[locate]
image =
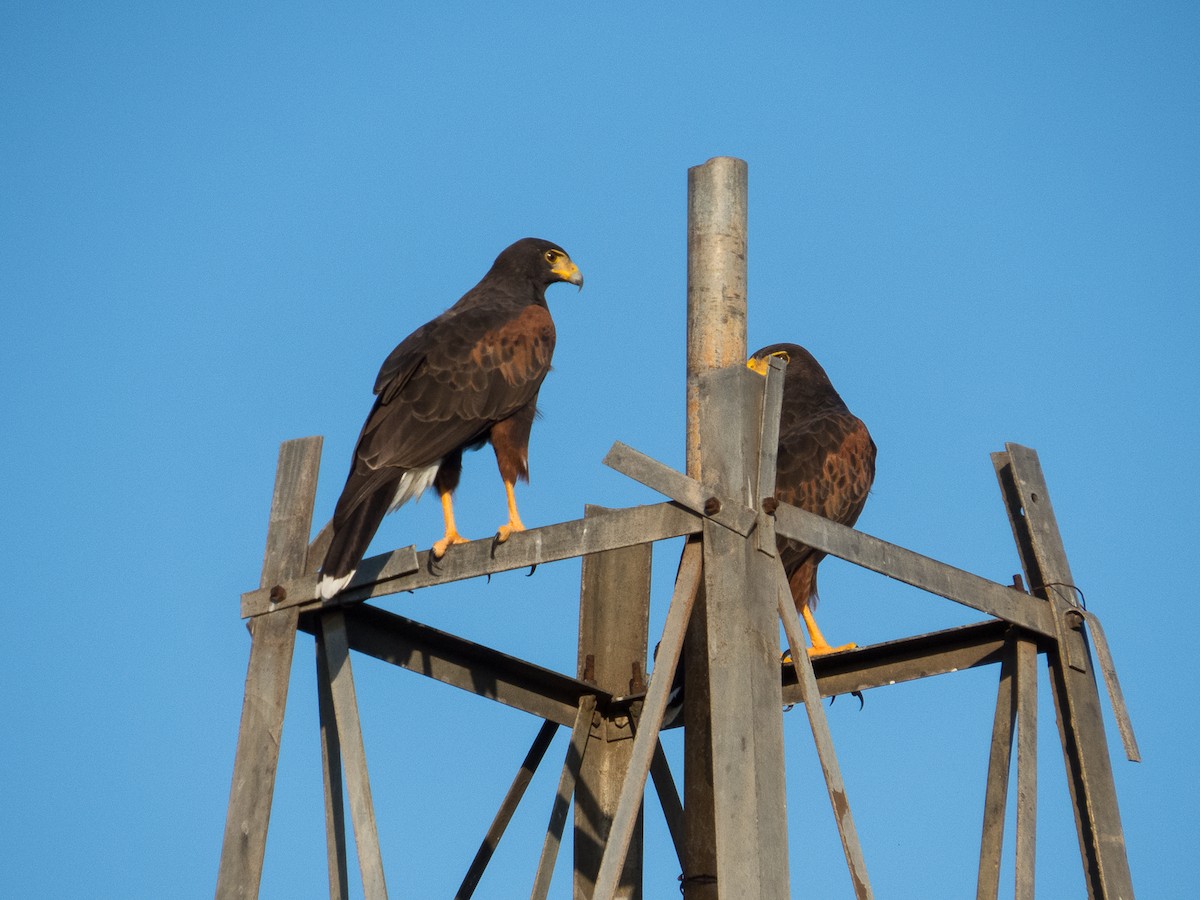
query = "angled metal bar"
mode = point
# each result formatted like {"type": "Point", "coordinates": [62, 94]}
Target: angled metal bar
{"type": "Point", "coordinates": [464, 664]}
{"type": "Point", "coordinates": [823, 739]}
{"type": "Point", "coordinates": [995, 801]}
{"type": "Point", "coordinates": [1115, 696]}
{"type": "Point", "coordinates": [668, 798]}
{"type": "Point", "coordinates": [504, 814]}
{"type": "Point", "coordinates": [345, 703]}
{"type": "Point", "coordinates": [912, 568]}
{"type": "Point", "coordinates": [700, 498]}
{"type": "Point", "coordinates": [273, 641]}
{"type": "Point", "coordinates": [1072, 680]}
{"type": "Point", "coordinates": [395, 572]}
{"type": "Point", "coordinates": [1026, 768]}
{"type": "Point", "coordinates": [331, 770]}
{"type": "Point", "coordinates": [645, 742]}
{"type": "Point", "coordinates": [562, 800]}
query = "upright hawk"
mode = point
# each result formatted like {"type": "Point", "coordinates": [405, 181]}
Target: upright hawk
{"type": "Point", "coordinates": [469, 377]}
{"type": "Point", "coordinates": [826, 465]}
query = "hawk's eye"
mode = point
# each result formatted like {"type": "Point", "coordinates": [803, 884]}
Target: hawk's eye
{"type": "Point", "coordinates": [551, 256]}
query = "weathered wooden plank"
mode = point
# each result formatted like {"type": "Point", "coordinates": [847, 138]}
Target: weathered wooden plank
{"type": "Point", "coordinates": [995, 801]}
{"type": "Point", "coordinates": [257, 757]}
{"type": "Point", "coordinates": [505, 813]}
{"type": "Point", "coordinates": [768, 427]}
{"type": "Point", "coordinates": [1026, 769]}
{"type": "Point", "coordinates": [700, 498]}
{"type": "Point", "coordinates": [456, 661]}
{"type": "Point", "coordinates": [331, 770]}
{"type": "Point", "coordinates": [362, 808]}
{"type": "Point", "coordinates": [272, 645]}
{"type": "Point", "coordinates": [576, 750]}
{"type": "Point", "coordinates": [768, 450]}
{"type": "Point", "coordinates": [823, 739]}
{"type": "Point", "coordinates": [645, 741]}
{"type": "Point", "coordinates": [394, 572]}
{"type": "Point", "coordinates": [743, 656]}
{"type": "Point", "coordinates": [912, 568]}
{"type": "Point", "coordinates": [906, 659]}
{"type": "Point", "coordinates": [614, 613]}
{"type": "Point", "coordinates": [1073, 684]}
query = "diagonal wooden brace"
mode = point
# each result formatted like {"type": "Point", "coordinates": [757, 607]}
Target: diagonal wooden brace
{"type": "Point", "coordinates": [699, 498]}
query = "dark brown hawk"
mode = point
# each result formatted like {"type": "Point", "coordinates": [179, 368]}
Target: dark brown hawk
{"type": "Point", "coordinates": [826, 465]}
{"type": "Point", "coordinates": [469, 377]}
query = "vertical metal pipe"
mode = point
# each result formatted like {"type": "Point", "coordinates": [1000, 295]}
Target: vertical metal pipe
{"type": "Point", "coordinates": [718, 224]}
{"type": "Point", "coordinates": [716, 279]}
{"type": "Point", "coordinates": [716, 337]}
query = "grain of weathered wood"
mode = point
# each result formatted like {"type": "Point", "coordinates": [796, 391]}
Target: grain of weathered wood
{"type": "Point", "coordinates": [272, 645]}
{"type": "Point", "coordinates": [358, 783]}
{"type": "Point", "coordinates": [614, 613]}
{"type": "Point", "coordinates": [396, 572]}
{"type": "Point", "coordinates": [823, 739]}
{"type": "Point", "coordinates": [576, 751]}
{"type": "Point", "coordinates": [1073, 684]}
{"type": "Point", "coordinates": [505, 813]}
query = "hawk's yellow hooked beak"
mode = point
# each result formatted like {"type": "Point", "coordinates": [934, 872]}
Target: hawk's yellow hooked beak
{"type": "Point", "coordinates": [760, 366]}
{"type": "Point", "coordinates": [568, 272]}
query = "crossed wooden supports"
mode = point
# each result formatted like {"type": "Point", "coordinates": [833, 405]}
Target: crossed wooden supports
{"type": "Point", "coordinates": [729, 561]}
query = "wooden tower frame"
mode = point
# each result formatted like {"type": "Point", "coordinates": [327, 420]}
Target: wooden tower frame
{"type": "Point", "coordinates": [730, 828]}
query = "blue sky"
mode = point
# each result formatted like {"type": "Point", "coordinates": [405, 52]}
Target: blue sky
{"type": "Point", "coordinates": [216, 221]}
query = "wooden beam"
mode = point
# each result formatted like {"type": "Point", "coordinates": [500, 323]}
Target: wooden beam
{"type": "Point", "coordinates": [645, 741]}
{"type": "Point", "coordinates": [702, 499]}
{"type": "Point", "coordinates": [903, 660]}
{"type": "Point", "coordinates": [362, 808]}
{"type": "Point", "coordinates": [1072, 677]}
{"type": "Point", "coordinates": [402, 570]}
{"type": "Point", "coordinates": [456, 661]}
{"type": "Point", "coordinates": [331, 770]}
{"type": "Point", "coordinates": [995, 801]}
{"type": "Point", "coordinates": [273, 641]}
{"type": "Point", "coordinates": [912, 568]}
{"type": "Point", "coordinates": [1026, 768]}
{"type": "Point", "coordinates": [614, 614]}
{"type": "Point", "coordinates": [743, 656]}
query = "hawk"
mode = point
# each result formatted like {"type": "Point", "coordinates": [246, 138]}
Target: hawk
{"type": "Point", "coordinates": [469, 377]}
{"type": "Point", "coordinates": [826, 465]}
